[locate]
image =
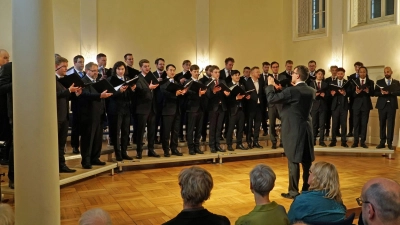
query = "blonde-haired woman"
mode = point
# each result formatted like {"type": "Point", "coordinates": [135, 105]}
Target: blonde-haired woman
{"type": "Point", "coordinates": [323, 200]}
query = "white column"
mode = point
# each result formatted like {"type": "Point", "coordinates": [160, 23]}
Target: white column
{"type": "Point", "coordinates": [337, 32]}
{"type": "Point", "coordinates": [89, 30]}
{"type": "Point", "coordinates": [202, 33]}
{"type": "Point", "coordinates": [37, 190]}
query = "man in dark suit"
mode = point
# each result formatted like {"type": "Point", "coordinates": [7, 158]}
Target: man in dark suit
{"type": "Point", "coordinates": [63, 97]}
{"type": "Point", "coordinates": [362, 92]}
{"type": "Point", "coordinates": [296, 107]}
{"type": "Point", "coordinates": [254, 107]}
{"type": "Point", "coordinates": [160, 74]}
{"type": "Point", "coordinates": [5, 128]}
{"type": "Point", "coordinates": [104, 72]}
{"type": "Point", "coordinates": [312, 65]}
{"type": "Point", "coordinates": [225, 74]}
{"type": "Point", "coordinates": [263, 81]}
{"type": "Point", "coordinates": [92, 111]}
{"type": "Point", "coordinates": [195, 110]}
{"type": "Point", "coordinates": [288, 69]}
{"type": "Point", "coordinates": [131, 73]}
{"type": "Point", "coordinates": [339, 107]}
{"type": "Point", "coordinates": [171, 113]}
{"type": "Point", "coordinates": [328, 100]}
{"type": "Point", "coordinates": [181, 76]}
{"type": "Point", "coordinates": [319, 107]}
{"type": "Point", "coordinates": [246, 75]}
{"type": "Point", "coordinates": [129, 61]}
{"type": "Point", "coordinates": [206, 79]}
{"type": "Point", "coordinates": [387, 106]}
{"type": "Point", "coordinates": [216, 109]}
{"type": "Point", "coordinates": [77, 69]}
{"type": "Point", "coordinates": [146, 109]}
{"type": "Point", "coordinates": [236, 106]}
{"type": "Point", "coordinates": [353, 76]}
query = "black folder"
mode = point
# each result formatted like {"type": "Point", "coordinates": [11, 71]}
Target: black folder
{"type": "Point", "coordinates": [390, 88]}
{"type": "Point", "coordinates": [187, 75]}
{"type": "Point", "coordinates": [223, 87]}
{"type": "Point", "coordinates": [196, 86]}
{"type": "Point", "coordinates": [235, 90]}
{"type": "Point", "coordinates": [115, 81]}
{"type": "Point", "coordinates": [75, 79]}
{"type": "Point", "coordinates": [173, 87]}
{"type": "Point", "coordinates": [151, 78]}
{"type": "Point", "coordinates": [337, 88]}
{"type": "Point", "coordinates": [362, 87]}
{"type": "Point", "coordinates": [103, 85]}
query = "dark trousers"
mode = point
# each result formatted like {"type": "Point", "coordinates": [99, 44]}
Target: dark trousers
{"type": "Point", "coordinates": [387, 118]}
{"type": "Point", "coordinates": [273, 114]}
{"type": "Point", "coordinates": [158, 124]}
{"type": "Point", "coordinates": [254, 124]}
{"type": "Point", "coordinates": [134, 125]}
{"type": "Point", "coordinates": [111, 128]}
{"type": "Point", "coordinates": [264, 118]}
{"type": "Point", "coordinates": [91, 143]}
{"type": "Point", "coordinates": [75, 131]}
{"type": "Point", "coordinates": [5, 135]}
{"type": "Point", "coordinates": [339, 116]}
{"type": "Point", "coordinates": [328, 116]}
{"type": "Point", "coordinates": [183, 120]}
{"type": "Point", "coordinates": [237, 121]}
{"type": "Point", "coordinates": [225, 125]}
{"type": "Point", "coordinates": [205, 123]}
{"type": "Point", "coordinates": [144, 119]}
{"type": "Point", "coordinates": [10, 147]}
{"type": "Point", "coordinates": [216, 120]}
{"type": "Point", "coordinates": [360, 120]}
{"type": "Point", "coordinates": [62, 140]}
{"type": "Point", "coordinates": [119, 124]}
{"type": "Point", "coordinates": [170, 131]}
{"type": "Point", "coordinates": [195, 126]}
{"type": "Point", "coordinates": [318, 121]}
{"type": "Point", "coordinates": [351, 115]}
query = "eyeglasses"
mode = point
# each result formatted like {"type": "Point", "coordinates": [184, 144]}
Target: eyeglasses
{"type": "Point", "coordinates": [94, 71]}
{"type": "Point", "coordinates": [360, 201]}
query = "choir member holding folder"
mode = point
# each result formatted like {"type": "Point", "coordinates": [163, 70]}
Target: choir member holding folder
{"type": "Point", "coordinates": [118, 111]}
{"type": "Point", "coordinates": [387, 90]}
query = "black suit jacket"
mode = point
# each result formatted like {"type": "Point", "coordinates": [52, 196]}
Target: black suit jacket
{"type": "Point", "coordinates": [6, 88]}
{"type": "Point", "coordinates": [195, 103]}
{"type": "Point", "coordinates": [132, 72]}
{"type": "Point", "coordinates": [146, 100]}
{"type": "Point", "coordinates": [92, 107]}
{"type": "Point", "coordinates": [63, 96]}
{"type": "Point", "coordinates": [107, 70]}
{"type": "Point", "coordinates": [74, 101]}
{"type": "Point", "coordinates": [243, 80]}
{"type": "Point", "coordinates": [252, 103]}
{"type": "Point", "coordinates": [215, 99]}
{"type": "Point", "coordinates": [119, 102]}
{"type": "Point", "coordinates": [338, 100]}
{"type": "Point", "coordinates": [234, 104]}
{"type": "Point", "coordinates": [319, 101]}
{"type": "Point", "coordinates": [390, 99]}
{"type": "Point", "coordinates": [223, 75]}
{"type": "Point", "coordinates": [363, 99]}
{"type": "Point", "coordinates": [288, 76]}
{"type": "Point", "coordinates": [170, 104]}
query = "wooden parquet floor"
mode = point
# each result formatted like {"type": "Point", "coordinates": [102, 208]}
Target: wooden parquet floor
{"type": "Point", "coordinates": [151, 195]}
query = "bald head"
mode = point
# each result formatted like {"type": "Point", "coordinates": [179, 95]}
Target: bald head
{"type": "Point", "coordinates": [388, 72]}
{"type": "Point", "coordinates": [381, 201]}
{"type": "Point", "coordinates": [4, 57]}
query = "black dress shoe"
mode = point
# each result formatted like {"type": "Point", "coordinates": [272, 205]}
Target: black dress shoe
{"type": "Point", "coordinates": [349, 135]}
{"type": "Point", "coordinates": [4, 162]}
{"type": "Point", "coordinates": [213, 150]}
{"type": "Point", "coordinates": [75, 150]}
{"type": "Point", "coordinates": [287, 195]}
{"type": "Point", "coordinates": [221, 138]}
{"type": "Point", "coordinates": [390, 147]}
{"type": "Point", "coordinates": [137, 157]}
{"type": "Point", "coordinates": [230, 148]}
{"type": "Point", "coordinates": [241, 147]}
{"type": "Point", "coordinates": [182, 139]}
{"type": "Point", "coordinates": [249, 146]}
{"type": "Point", "coordinates": [274, 146]}
{"type": "Point", "coordinates": [198, 151]}
{"type": "Point", "coordinates": [11, 184]}
{"type": "Point", "coordinates": [166, 154]}
{"type": "Point", "coordinates": [119, 159]}
{"type": "Point", "coordinates": [332, 144]}
{"type": "Point", "coordinates": [257, 145]}
{"type": "Point", "coordinates": [322, 144]}
{"type": "Point", "coordinates": [363, 145]}
{"type": "Point", "coordinates": [176, 152]}
{"type": "Point", "coordinates": [218, 148]}
{"type": "Point", "coordinates": [354, 145]}
{"type": "Point", "coordinates": [152, 153]}
{"type": "Point", "coordinates": [191, 152]}
{"type": "Point", "coordinates": [65, 169]}
{"type": "Point", "coordinates": [87, 166]}
{"type": "Point", "coordinates": [98, 162]}
{"type": "Point", "coordinates": [281, 145]}
{"type": "Point", "coordinates": [381, 146]}
{"type": "Point", "coordinates": [344, 145]}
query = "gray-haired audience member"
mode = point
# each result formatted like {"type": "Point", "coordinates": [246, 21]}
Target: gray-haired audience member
{"type": "Point", "coordinates": [380, 198]}
{"type": "Point", "coordinates": [95, 216]}
{"type": "Point", "coordinates": [196, 184]}
{"type": "Point", "coordinates": [262, 181]}
{"type": "Point", "coordinates": [6, 215]}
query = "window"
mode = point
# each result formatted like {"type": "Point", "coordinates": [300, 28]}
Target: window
{"type": "Point", "coordinates": [310, 19]}
{"type": "Point", "coordinates": [317, 14]}
{"type": "Point", "coordinates": [381, 8]}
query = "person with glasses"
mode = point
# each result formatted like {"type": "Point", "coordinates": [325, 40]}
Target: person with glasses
{"type": "Point", "coordinates": [322, 203]}
{"type": "Point", "coordinates": [380, 202]}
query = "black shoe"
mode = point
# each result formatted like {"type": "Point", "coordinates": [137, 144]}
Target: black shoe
{"type": "Point", "coordinates": [4, 162]}
{"type": "Point", "coordinates": [281, 145]}
{"type": "Point", "coordinates": [166, 154]}
{"type": "Point", "coordinates": [287, 195]}
{"type": "Point", "coordinates": [75, 150]}
{"type": "Point", "coordinates": [137, 156]}
{"type": "Point", "coordinates": [274, 146]}
{"type": "Point", "coordinates": [152, 153]}
{"type": "Point", "coordinates": [176, 152]}
{"type": "Point", "coordinates": [87, 166]}
{"type": "Point", "coordinates": [197, 150]}
{"type": "Point", "coordinates": [332, 144]}
{"type": "Point", "coordinates": [181, 139]}
{"type": "Point", "coordinates": [363, 145]}
{"type": "Point", "coordinates": [349, 135]}
{"type": "Point", "coordinates": [11, 184]}
{"type": "Point", "coordinates": [354, 145]}
{"type": "Point", "coordinates": [241, 147]}
{"type": "Point", "coordinates": [390, 147]}
{"type": "Point", "coordinates": [127, 157]}
{"type": "Point", "coordinates": [230, 148]}
{"type": "Point", "coordinates": [98, 162]}
{"type": "Point", "coordinates": [322, 144]}
{"type": "Point", "coordinates": [213, 150]}
{"type": "Point", "coordinates": [221, 138]}
{"type": "Point", "coordinates": [218, 148]}
{"type": "Point", "coordinates": [257, 145]}
{"type": "Point", "coordinates": [65, 169]}
{"type": "Point", "coordinates": [191, 152]}
{"type": "Point", "coordinates": [381, 146]}
{"type": "Point", "coordinates": [120, 159]}
{"type": "Point", "coordinates": [344, 145]}
{"type": "Point", "coordinates": [249, 146]}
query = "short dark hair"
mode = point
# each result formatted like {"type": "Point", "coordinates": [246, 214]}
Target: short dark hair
{"type": "Point", "coordinates": [89, 65]}
{"type": "Point", "coordinates": [334, 66]}
{"type": "Point", "coordinates": [143, 61]}
{"type": "Point", "coordinates": [363, 67]}
{"type": "Point", "coordinates": [214, 67]}
{"type": "Point", "coordinates": [341, 69]}
{"type": "Point", "coordinates": [100, 55]}
{"type": "Point", "coordinates": [60, 60]}
{"type": "Point", "coordinates": [158, 60]}
{"type": "Point", "coordinates": [208, 67]}
{"type": "Point", "coordinates": [265, 64]}
{"type": "Point", "coordinates": [254, 68]}
{"type": "Point", "coordinates": [233, 72]}
{"type": "Point", "coordinates": [194, 67]}
{"type": "Point", "coordinates": [274, 62]}
{"type": "Point", "coordinates": [229, 59]}
{"type": "Point", "coordinates": [246, 68]}
{"type": "Point", "coordinates": [186, 61]}
{"type": "Point", "coordinates": [78, 57]}
{"type": "Point", "coordinates": [320, 70]}
{"type": "Point", "coordinates": [116, 66]}
{"type": "Point", "coordinates": [288, 62]}
{"type": "Point", "coordinates": [358, 63]}
{"type": "Point", "coordinates": [169, 65]}
{"type": "Point", "coordinates": [127, 54]}
{"type": "Point", "coordinates": [312, 61]}
{"type": "Point", "coordinates": [302, 71]}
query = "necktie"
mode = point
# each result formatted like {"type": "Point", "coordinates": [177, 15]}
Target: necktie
{"type": "Point", "coordinates": [275, 77]}
{"type": "Point", "coordinates": [160, 74]}
{"type": "Point", "coordinates": [388, 83]}
{"type": "Point", "coordinates": [340, 83]}
{"type": "Point", "coordinates": [362, 82]}
{"type": "Point", "coordinates": [216, 82]}
{"type": "Point", "coordinates": [104, 71]}
{"type": "Point", "coordinates": [229, 72]}
{"type": "Point", "coordinates": [319, 85]}
{"type": "Point", "coordinates": [80, 74]}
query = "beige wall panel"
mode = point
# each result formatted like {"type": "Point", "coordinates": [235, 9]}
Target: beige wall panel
{"type": "Point", "coordinates": [5, 26]}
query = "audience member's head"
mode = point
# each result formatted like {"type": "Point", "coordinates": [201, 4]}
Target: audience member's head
{"type": "Point", "coordinates": [380, 199]}
{"type": "Point", "coordinates": [6, 215]}
{"type": "Point", "coordinates": [262, 180]}
{"type": "Point", "coordinates": [95, 216]}
{"type": "Point", "coordinates": [196, 184]}
{"type": "Point", "coordinates": [4, 57]}
{"type": "Point", "coordinates": [324, 177]}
